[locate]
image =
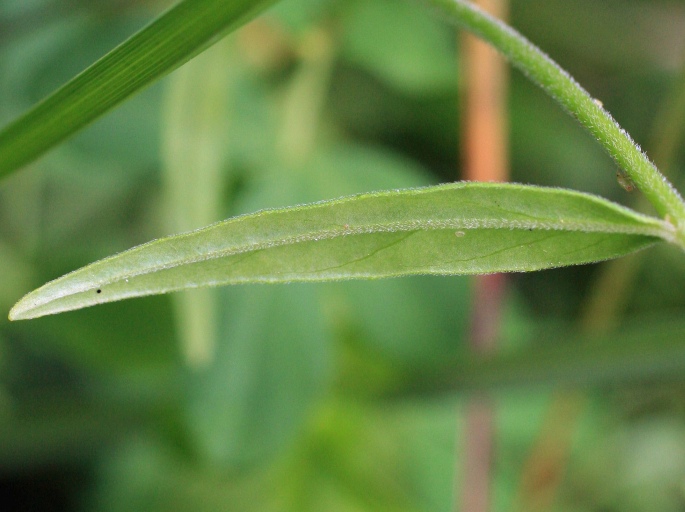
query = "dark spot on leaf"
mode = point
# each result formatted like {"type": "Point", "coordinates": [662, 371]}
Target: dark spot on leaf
{"type": "Point", "coordinates": [99, 290]}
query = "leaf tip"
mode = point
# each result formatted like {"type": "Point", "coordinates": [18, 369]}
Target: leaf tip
{"type": "Point", "coordinates": [14, 315]}
{"type": "Point", "coordinates": [26, 308]}
{"type": "Point", "coordinates": [20, 311]}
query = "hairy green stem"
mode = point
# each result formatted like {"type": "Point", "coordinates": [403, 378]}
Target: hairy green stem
{"type": "Point", "coordinates": [542, 70]}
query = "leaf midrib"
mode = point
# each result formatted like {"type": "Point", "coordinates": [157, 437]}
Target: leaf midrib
{"type": "Point", "coordinates": [466, 224]}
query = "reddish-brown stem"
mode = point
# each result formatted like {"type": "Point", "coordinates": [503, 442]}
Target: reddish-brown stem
{"type": "Point", "coordinates": [485, 158]}
{"type": "Point", "coordinates": [478, 454]}
{"type": "Point", "coordinates": [485, 126]}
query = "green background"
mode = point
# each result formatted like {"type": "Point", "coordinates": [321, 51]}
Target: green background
{"type": "Point", "coordinates": [323, 396]}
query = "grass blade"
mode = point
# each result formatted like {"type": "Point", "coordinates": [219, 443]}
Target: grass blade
{"type": "Point", "coordinates": [167, 43]}
{"type": "Point", "coordinates": [460, 228]}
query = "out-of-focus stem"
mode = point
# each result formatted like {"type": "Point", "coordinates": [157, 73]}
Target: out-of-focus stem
{"type": "Point", "coordinates": [193, 152]}
{"type": "Point", "coordinates": [485, 158]}
{"type": "Point", "coordinates": [485, 125]}
{"type": "Point", "coordinates": [306, 96]}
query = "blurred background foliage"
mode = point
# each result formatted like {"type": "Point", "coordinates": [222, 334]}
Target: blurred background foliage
{"type": "Point", "coordinates": [303, 397]}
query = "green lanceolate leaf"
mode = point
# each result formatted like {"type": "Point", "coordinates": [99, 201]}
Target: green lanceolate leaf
{"type": "Point", "coordinates": [167, 43]}
{"type": "Point", "coordinates": [460, 228]}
